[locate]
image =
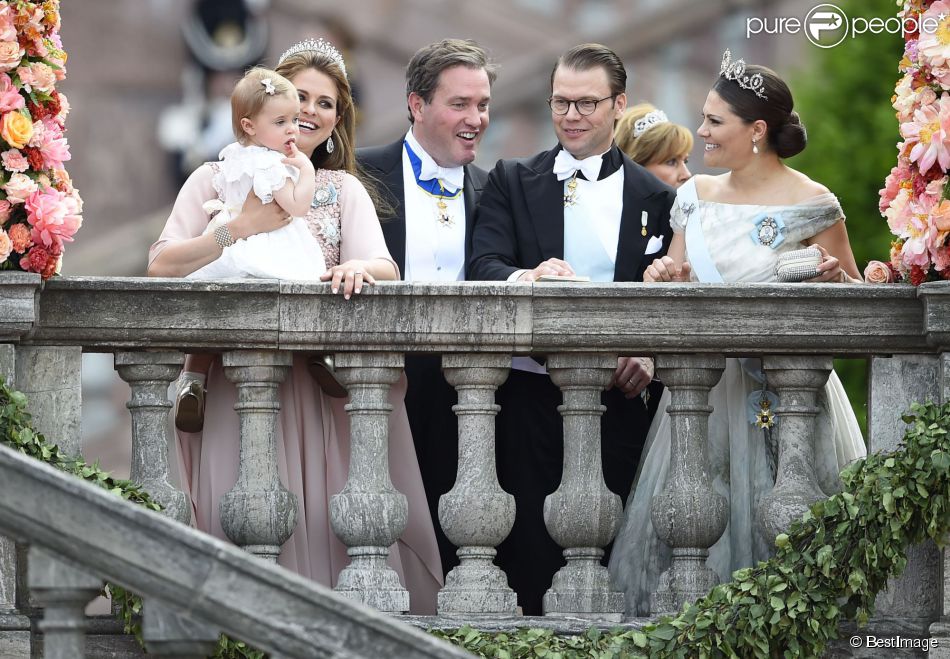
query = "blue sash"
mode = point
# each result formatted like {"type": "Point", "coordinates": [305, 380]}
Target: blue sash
{"type": "Point", "coordinates": [696, 250]}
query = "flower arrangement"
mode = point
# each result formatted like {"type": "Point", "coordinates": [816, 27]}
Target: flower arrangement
{"type": "Point", "coordinates": [39, 208]}
{"type": "Point", "coordinates": [915, 199]}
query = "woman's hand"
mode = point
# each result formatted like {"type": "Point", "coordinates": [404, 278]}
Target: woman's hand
{"type": "Point", "coordinates": [665, 269]}
{"type": "Point", "coordinates": [829, 270]}
{"type": "Point", "coordinates": [256, 217]}
{"type": "Point", "coordinates": [352, 274]}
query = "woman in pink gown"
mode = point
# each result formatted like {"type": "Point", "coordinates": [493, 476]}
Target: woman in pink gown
{"type": "Point", "coordinates": [313, 431]}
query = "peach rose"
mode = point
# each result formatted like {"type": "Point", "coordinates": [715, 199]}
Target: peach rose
{"type": "Point", "coordinates": [878, 273]}
{"type": "Point", "coordinates": [941, 215]}
{"type": "Point", "coordinates": [18, 188]}
{"type": "Point", "coordinates": [10, 55]}
{"type": "Point", "coordinates": [16, 129]}
{"type": "Point", "coordinates": [43, 78]}
{"type": "Point", "coordinates": [6, 246]}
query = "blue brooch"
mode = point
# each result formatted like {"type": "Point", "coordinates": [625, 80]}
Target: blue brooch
{"type": "Point", "coordinates": [324, 196]}
{"type": "Point", "coordinates": [769, 230]}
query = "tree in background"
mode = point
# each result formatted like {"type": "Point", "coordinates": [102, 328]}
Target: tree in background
{"type": "Point", "coordinates": [844, 98]}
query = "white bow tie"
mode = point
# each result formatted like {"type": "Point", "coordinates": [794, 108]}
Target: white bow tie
{"type": "Point", "coordinates": [451, 177]}
{"type": "Point", "coordinates": [565, 165]}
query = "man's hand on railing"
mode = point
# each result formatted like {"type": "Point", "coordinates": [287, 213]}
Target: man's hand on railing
{"type": "Point", "coordinates": [665, 269]}
{"type": "Point", "coordinates": [552, 266]}
{"type": "Point", "coordinates": [633, 375]}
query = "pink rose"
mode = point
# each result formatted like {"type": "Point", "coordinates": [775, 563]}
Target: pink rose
{"type": "Point", "coordinates": [6, 209]}
{"type": "Point", "coordinates": [7, 28]}
{"type": "Point", "coordinates": [878, 273]}
{"type": "Point", "coordinates": [18, 188]}
{"type": "Point", "coordinates": [10, 55]}
{"type": "Point", "coordinates": [10, 98]}
{"type": "Point", "coordinates": [14, 161]}
{"type": "Point", "coordinates": [6, 246]}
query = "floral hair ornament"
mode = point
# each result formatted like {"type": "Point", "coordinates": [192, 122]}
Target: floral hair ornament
{"type": "Point", "coordinates": [269, 88]}
{"type": "Point", "coordinates": [654, 118]}
{"type": "Point", "coordinates": [315, 46]}
{"type": "Point", "coordinates": [736, 71]}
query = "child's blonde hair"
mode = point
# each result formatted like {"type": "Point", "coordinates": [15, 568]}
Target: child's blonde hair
{"type": "Point", "coordinates": [251, 93]}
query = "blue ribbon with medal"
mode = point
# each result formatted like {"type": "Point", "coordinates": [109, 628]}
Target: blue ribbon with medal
{"type": "Point", "coordinates": [432, 187]}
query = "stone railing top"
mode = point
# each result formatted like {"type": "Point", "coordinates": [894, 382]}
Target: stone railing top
{"type": "Point", "coordinates": [109, 313]}
{"type": "Point", "coordinates": [18, 292]}
{"type": "Point", "coordinates": [194, 573]}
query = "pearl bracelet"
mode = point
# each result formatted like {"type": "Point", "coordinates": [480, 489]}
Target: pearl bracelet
{"type": "Point", "coordinates": [223, 237]}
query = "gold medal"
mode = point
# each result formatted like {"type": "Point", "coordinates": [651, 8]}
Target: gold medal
{"type": "Point", "coordinates": [571, 197]}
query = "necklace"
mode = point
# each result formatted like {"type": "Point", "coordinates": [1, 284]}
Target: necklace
{"type": "Point", "coordinates": [570, 197]}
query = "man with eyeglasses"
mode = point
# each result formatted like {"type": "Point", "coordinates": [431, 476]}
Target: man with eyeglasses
{"type": "Point", "coordinates": [582, 209]}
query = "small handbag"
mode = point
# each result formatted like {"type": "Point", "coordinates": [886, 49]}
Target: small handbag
{"type": "Point", "coordinates": [798, 265]}
{"type": "Point", "coordinates": [322, 370]}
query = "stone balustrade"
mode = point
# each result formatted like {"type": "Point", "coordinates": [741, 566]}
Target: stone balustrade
{"type": "Point", "coordinates": [477, 327]}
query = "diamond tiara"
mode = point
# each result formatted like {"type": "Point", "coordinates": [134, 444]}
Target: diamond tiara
{"type": "Point", "coordinates": [651, 119]}
{"type": "Point", "coordinates": [736, 71]}
{"type": "Point", "coordinates": [315, 45]}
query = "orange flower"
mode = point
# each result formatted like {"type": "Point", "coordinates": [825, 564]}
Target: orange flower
{"type": "Point", "coordinates": [20, 237]}
{"type": "Point", "coordinates": [16, 129]}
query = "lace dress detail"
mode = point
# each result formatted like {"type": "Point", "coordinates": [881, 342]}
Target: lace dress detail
{"type": "Point", "coordinates": [325, 213]}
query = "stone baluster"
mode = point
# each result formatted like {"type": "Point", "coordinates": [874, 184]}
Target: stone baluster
{"type": "Point", "coordinates": [582, 516]}
{"type": "Point", "coordinates": [939, 631]}
{"type": "Point", "coordinates": [369, 514]}
{"type": "Point", "coordinates": [911, 602]}
{"type": "Point", "coordinates": [149, 375]}
{"type": "Point", "coordinates": [258, 513]}
{"type": "Point", "coordinates": [476, 514]}
{"type": "Point", "coordinates": [51, 379]}
{"type": "Point", "coordinates": [63, 591]}
{"type": "Point", "coordinates": [797, 381]}
{"type": "Point", "coordinates": [170, 634]}
{"type": "Point", "coordinates": [688, 515]}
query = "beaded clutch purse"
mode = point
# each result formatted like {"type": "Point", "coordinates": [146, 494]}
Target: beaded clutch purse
{"type": "Point", "coordinates": [798, 265]}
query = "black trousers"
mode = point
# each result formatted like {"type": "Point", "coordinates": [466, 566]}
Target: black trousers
{"type": "Point", "coordinates": [530, 453]}
{"type": "Point", "coordinates": [429, 401]}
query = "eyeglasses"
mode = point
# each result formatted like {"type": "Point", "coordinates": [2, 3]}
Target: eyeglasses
{"type": "Point", "coordinates": [585, 106]}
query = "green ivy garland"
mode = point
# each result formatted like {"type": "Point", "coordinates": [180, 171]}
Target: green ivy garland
{"type": "Point", "coordinates": [829, 566]}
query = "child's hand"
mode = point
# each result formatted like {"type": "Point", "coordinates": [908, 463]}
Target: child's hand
{"type": "Point", "coordinates": [297, 159]}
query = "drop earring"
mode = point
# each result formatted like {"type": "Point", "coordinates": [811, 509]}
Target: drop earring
{"type": "Point", "coordinates": [330, 145]}
{"type": "Point", "coordinates": [755, 146]}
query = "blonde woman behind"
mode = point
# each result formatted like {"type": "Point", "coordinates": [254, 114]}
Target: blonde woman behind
{"type": "Point", "coordinates": [650, 139]}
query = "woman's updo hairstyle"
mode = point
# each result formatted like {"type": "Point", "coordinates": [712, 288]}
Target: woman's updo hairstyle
{"type": "Point", "coordinates": [786, 133]}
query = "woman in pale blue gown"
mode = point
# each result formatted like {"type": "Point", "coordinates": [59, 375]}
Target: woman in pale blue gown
{"type": "Point", "coordinates": [744, 220]}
